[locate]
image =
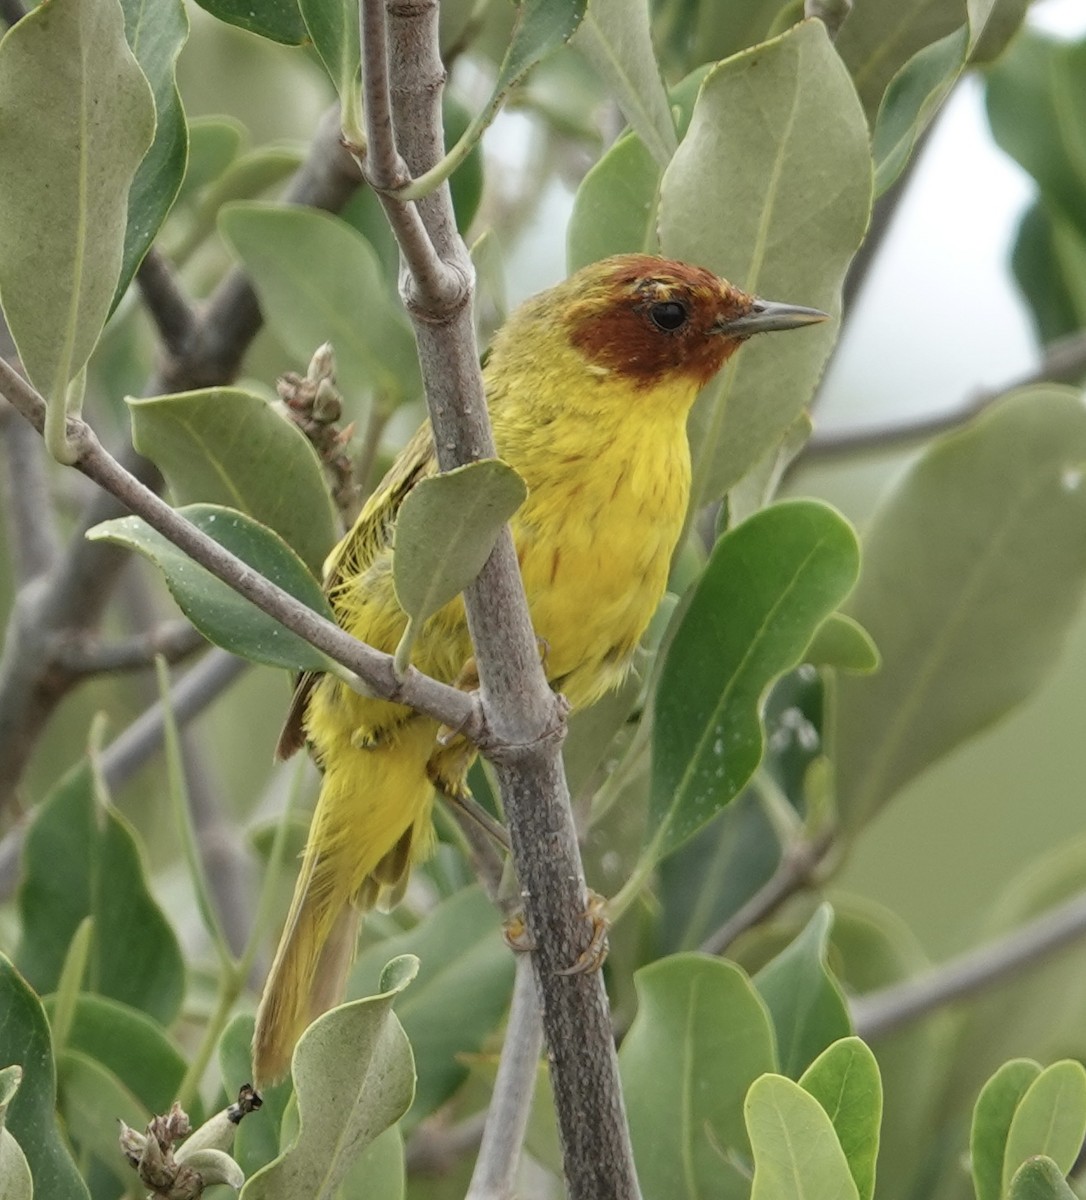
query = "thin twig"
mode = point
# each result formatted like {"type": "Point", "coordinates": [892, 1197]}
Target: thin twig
{"type": "Point", "coordinates": [494, 1177]}
{"type": "Point", "coordinates": [165, 299]}
{"type": "Point", "coordinates": [174, 641]}
{"type": "Point", "coordinates": [451, 706]}
{"type": "Point", "coordinates": [793, 872]}
{"type": "Point", "coordinates": [526, 716]}
{"type": "Point", "coordinates": [1064, 362]}
{"type": "Point", "coordinates": [890, 1008]}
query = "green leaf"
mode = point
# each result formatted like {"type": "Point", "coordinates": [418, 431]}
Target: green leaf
{"type": "Point", "coordinates": [985, 527]}
{"type": "Point", "coordinates": [277, 20]}
{"type": "Point", "coordinates": [1049, 263]}
{"type": "Point", "coordinates": [458, 999]}
{"type": "Point", "coordinates": [1050, 1119]}
{"type": "Point", "coordinates": [214, 143]}
{"type": "Point", "coordinates": [805, 1001]}
{"type": "Point", "coordinates": [995, 1108]}
{"type": "Point", "coordinates": [333, 26]}
{"type": "Point", "coordinates": [252, 175]}
{"type": "Point", "coordinates": [15, 1180]}
{"type": "Point", "coordinates": [709, 878]}
{"type": "Point", "coordinates": [1040, 1179]}
{"type": "Point", "coordinates": [700, 1038]}
{"type": "Point", "coordinates": [796, 1152]}
{"type": "Point", "coordinates": [879, 37]}
{"type": "Point", "coordinates": [914, 96]}
{"type": "Point", "coordinates": [353, 1078]}
{"type": "Point", "coordinates": [542, 27]}
{"type": "Point", "coordinates": [844, 1079]}
{"type": "Point", "coordinates": [1004, 21]}
{"type": "Point", "coordinates": [316, 277]}
{"type": "Point", "coordinates": [379, 1172]}
{"type": "Point", "coordinates": [769, 584]}
{"type": "Point", "coordinates": [1038, 117]}
{"type": "Point", "coordinates": [82, 859]}
{"type": "Point", "coordinates": [90, 1101]}
{"type": "Point", "coordinates": [31, 1117]}
{"type": "Point", "coordinates": [843, 644]}
{"type": "Point", "coordinates": [65, 67]}
{"type": "Point", "coordinates": [218, 612]}
{"type": "Point", "coordinates": [156, 33]}
{"type": "Point", "coordinates": [228, 446]}
{"type": "Point", "coordinates": [132, 1046]}
{"type": "Point", "coordinates": [614, 211]}
{"type": "Point", "coordinates": [446, 528]}
{"type": "Point", "coordinates": [615, 38]}
{"type": "Point", "coordinates": [777, 143]}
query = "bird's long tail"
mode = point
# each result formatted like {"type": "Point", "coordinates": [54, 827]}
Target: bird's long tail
{"type": "Point", "coordinates": [371, 823]}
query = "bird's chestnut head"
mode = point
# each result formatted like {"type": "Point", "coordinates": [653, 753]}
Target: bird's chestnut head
{"type": "Point", "coordinates": [650, 319]}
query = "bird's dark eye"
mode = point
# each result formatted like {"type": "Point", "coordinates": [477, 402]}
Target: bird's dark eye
{"type": "Point", "coordinates": [669, 315]}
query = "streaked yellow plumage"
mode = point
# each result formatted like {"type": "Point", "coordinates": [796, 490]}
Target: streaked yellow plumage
{"type": "Point", "coordinates": [588, 387]}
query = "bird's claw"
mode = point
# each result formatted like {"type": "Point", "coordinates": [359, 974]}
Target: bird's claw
{"type": "Point", "coordinates": [516, 934]}
{"type": "Point", "coordinates": [592, 957]}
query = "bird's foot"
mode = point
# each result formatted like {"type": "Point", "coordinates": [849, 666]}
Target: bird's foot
{"type": "Point", "coordinates": [593, 955]}
{"type": "Point", "coordinates": [516, 934]}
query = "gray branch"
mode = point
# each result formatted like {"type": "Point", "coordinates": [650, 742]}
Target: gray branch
{"type": "Point", "coordinates": [1064, 362]}
{"type": "Point", "coordinates": [81, 655]}
{"type": "Point", "coordinates": [882, 1012]}
{"type": "Point", "coordinates": [526, 718]}
{"type": "Point", "coordinates": [494, 1177]}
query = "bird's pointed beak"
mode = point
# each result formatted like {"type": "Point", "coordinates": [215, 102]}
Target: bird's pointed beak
{"type": "Point", "coordinates": [766, 316]}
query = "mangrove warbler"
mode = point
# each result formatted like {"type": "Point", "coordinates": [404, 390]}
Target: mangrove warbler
{"type": "Point", "coordinates": [588, 385]}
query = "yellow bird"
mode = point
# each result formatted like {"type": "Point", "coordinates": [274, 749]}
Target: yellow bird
{"type": "Point", "coordinates": [588, 385]}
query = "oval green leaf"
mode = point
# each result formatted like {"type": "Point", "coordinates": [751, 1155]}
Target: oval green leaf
{"type": "Point", "coordinates": [844, 1079]}
{"type": "Point", "coordinates": [354, 1078]}
{"type": "Point", "coordinates": [156, 33]}
{"type": "Point", "coordinates": [913, 98]}
{"type": "Point", "coordinates": [879, 37]}
{"type": "Point", "coordinates": [15, 1179]}
{"type": "Point", "coordinates": [218, 612]}
{"type": "Point", "coordinates": [843, 644]}
{"type": "Point", "coordinates": [66, 66]}
{"type": "Point", "coordinates": [992, 1116]}
{"type": "Point", "coordinates": [230, 447]}
{"type": "Point", "coordinates": [1040, 1179]}
{"type": "Point", "coordinates": [445, 530]}
{"type": "Point", "coordinates": [796, 1152]}
{"type": "Point", "coordinates": [985, 527]}
{"type": "Point", "coordinates": [771, 188]}
{"type": "Point", "coordinates": [805, 1001]}
{"type": "Point", "coordinates": [277, 20]}
{"type": "Point", "coordinates": [1050, 1119]}
{"type": "Point", "coordinates": [318, 281]}
{"type": "Point", "coordinates": [82, 859]}
{"type": "Point", "coordinates": [700, 1038]}
{"type": "Point", "coordinates": [458, 999]}
{"type": "Point", "coordinates": [31, 1115]}
{"type": "Point", "coordinates": [616, 39]}
{"type": "Point", "coordinates": [769, 585]}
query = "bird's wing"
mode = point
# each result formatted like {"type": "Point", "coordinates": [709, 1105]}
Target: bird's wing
{"type": "Point", "coordinates": [370, 534]}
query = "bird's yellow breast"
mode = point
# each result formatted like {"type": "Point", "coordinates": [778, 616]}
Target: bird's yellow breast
{"type": "Point", "coordinates": [594, 538]}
